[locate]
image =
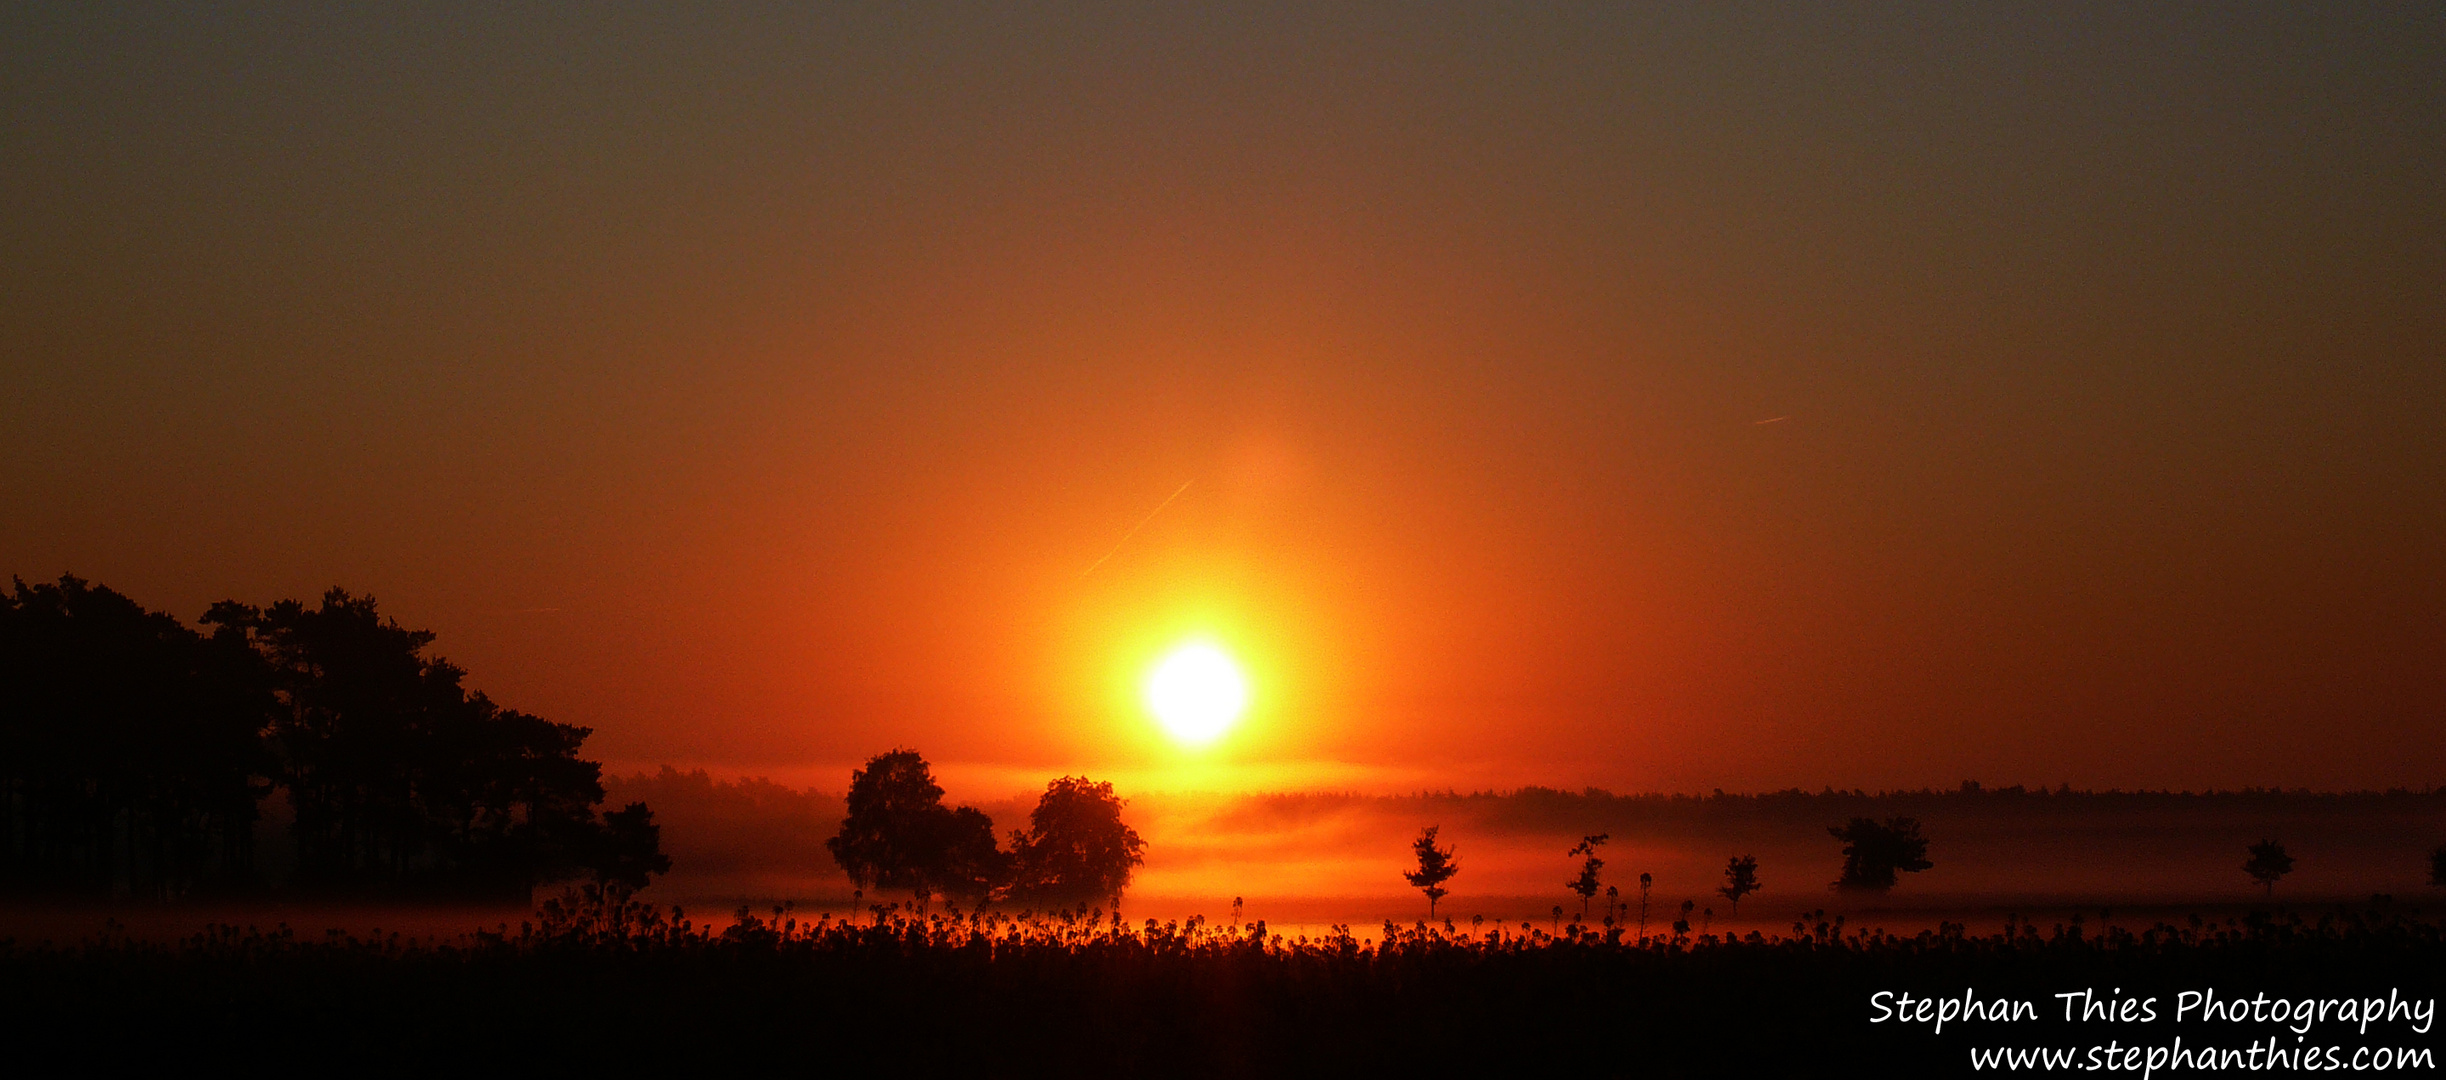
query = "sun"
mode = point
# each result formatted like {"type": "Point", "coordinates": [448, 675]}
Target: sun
{"type": "Point", "coordinates": [1196, 693]}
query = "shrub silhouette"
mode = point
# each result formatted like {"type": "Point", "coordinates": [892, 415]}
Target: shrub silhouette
{"type": "Point", "coordinates": [1435, 867]}
{"type": "Point", "coordinates": [1873, 852]}
{"type": "Point", "coordinates": [1077, 849]}
{"type": "Point", "coordinates": [1740, 879]}
{"type": "Point", "coordinates": [2268, 862]}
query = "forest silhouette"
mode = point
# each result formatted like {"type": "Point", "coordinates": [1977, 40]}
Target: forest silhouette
{"type": "Point", "coordinates": [136, 753]}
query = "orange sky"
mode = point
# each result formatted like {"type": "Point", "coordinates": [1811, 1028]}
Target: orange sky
{"type": "Point", "coordinates": [760, 390]}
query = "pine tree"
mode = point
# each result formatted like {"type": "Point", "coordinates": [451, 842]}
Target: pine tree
{"type": "Point", "coordinates": [1435, 867]}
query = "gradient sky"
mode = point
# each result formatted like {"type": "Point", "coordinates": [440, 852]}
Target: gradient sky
{"type": "Point", "coordinates": [763, 388]}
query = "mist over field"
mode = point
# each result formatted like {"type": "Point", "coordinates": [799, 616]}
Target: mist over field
{"type": "Point", "coordinates": [1320, 857]}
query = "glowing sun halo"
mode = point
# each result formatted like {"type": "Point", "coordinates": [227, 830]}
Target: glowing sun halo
{"type": "Point", "coordinates": [1196, 693]}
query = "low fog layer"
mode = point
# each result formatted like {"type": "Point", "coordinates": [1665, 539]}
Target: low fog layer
{"type": "Point", "coordinates": [1306, 856]}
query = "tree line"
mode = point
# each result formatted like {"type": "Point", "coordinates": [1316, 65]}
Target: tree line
{"type": "Point", "coordinates": [136, 753]}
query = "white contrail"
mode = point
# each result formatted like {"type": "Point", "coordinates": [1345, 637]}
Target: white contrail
{"type": "Point", "coordinates": [1770, 420]}
{"type": "Point", "coordinates": [1142, 523]}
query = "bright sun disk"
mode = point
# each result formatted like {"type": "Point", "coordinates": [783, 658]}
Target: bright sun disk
{"type": "Point", "coordinates": [1196, 693]}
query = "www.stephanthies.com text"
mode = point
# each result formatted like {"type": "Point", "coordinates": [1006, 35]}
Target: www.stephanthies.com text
{"type": "Point", "coordinates": [2268, 1054]}
{"type": "Point", "coordinates": [2412, 1016]}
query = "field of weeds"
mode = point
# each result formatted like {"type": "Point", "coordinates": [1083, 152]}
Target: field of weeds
{"type": "Point", "coordinates": [603, 982]}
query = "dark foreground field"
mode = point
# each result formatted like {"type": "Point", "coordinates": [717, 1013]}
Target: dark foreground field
{"type": "Point", "coordinates": [623, 987]}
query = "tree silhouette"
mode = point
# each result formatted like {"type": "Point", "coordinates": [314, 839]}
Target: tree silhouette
{"type": "Point", "coordinates": [401, 777]}
{"type": "Point", "coordinates": [134, 749]}
{"type": "Point", "coordinates": [1740, 879]}
{"type": "Point", "coordinates": [1586, 883]}
{"type": "Point", "coordinates": [1076, 848]}
{"type": "Point", "coordinates": [1435, 867]}
{"type": "Point", "coordinates": [2268, 862]}
{"type": "Point", "coordinates": [899, 835]}
{"type": "Point", "coordinates": [1873, 853]}
{"type": "Point", "coordinates": [969, 867]}
{"type": "Point", "coordinates": [630, 849]}
{"type": "Point", "coordinates": [2437, 867]}
{"type": "Point", "coordinates": [131, 746]}
{"type": "Point", "coordinates": [355, 692]}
